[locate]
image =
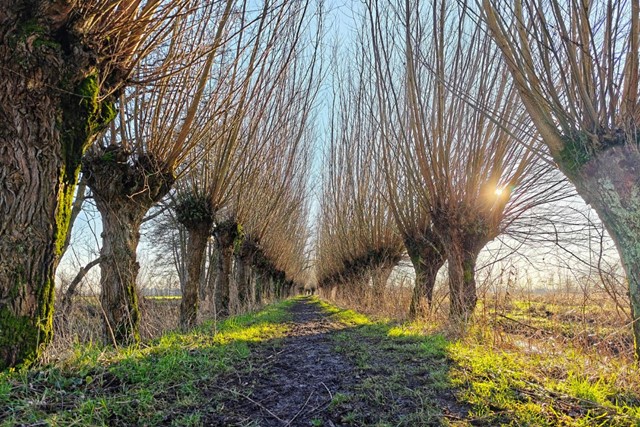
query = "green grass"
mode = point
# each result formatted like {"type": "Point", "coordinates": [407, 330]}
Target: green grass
{"type": "Point", "coordinates": [159, 381]}
{"type": "Point", "coordinates": [497, 386]}
{"type": "Point", "coordinates": [345, 316]}
{"type": "Point", "coordinates": [514, 388]}
{"type": "Point", "coordinates": [404, 374]}
{"type": "Point", "coordinates": [400, 371]}
{"type": "Point", "coordinates": [164, 297]}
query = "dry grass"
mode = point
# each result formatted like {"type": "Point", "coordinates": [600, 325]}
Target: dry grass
{"type": "Point", "coordinates": [517, 319]}
{"type": "Point", "coordinates": [559, 358]}
{"type": "Point", "coordinates": [84, 323]}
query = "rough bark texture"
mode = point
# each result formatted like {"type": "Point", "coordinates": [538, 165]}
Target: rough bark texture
{"type": "Point", "coordinates": [225, 235]}
{"type": "Point", "coordinates": [119, 270]}
{"type": "Point", "coordinates": [245, 254]}
{"type": "Point", "coordinates": [610, 183]}
{"type": "Point", "coordinates": [223, 267]}
{"type": "Point", "coordinates": [196, 214]}
{"type": "Point", "coordinates": [463, 236]}
{"type": "Point", "coordinates": [124, 188]}
{"type": "Point", "coordinates": [49, 113]}
{"type": "Point", "coordinates": [427, 256]}
{"type": "Point", "coordinates": [243, 283]}
{"type": "Point", "coordinates": [462, 256]}
{"type": "Point", "coordinates": [196, 248]}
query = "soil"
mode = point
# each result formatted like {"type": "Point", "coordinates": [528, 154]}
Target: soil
{"type": "Point", "coordinates": [304, 380]}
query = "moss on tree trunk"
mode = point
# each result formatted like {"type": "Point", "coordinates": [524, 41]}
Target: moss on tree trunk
{"type": "Point", "coordinates": [124, 188]}
{"type": "Point", "coordinates": [427, 256]}
{"type": "Point", "coordinates": [50, 111]}
{"type": "Point", "coordinates": [610, 182]}
{"type": "Point", "coordinates": [196, 248]}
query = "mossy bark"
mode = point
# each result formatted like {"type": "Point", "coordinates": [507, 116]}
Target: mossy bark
{"type": "Point", "coordinates": [196, 247]}
{"type": "Point", "coordinates": [427, 256]}
{"type": "Point", "coordinates": [462, 237]}
{"type": "Point", "coordinates": [49, 114]}
{"type": "Point", "coordinates": [124, 188]}
{"type": "Point", "coordinates": [196, 214]}
{"type": "Point", "coordinates": [610, 182]}
{"type": "Point", "coordinates": [224, 235]}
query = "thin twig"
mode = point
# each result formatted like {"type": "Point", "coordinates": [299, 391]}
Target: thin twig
{"type": "Point", "coordinates": [519, 322]}
{"type": "Point", "coordinates": [260, 405]}
{"type": "Point", "coordinates": [301, 409]}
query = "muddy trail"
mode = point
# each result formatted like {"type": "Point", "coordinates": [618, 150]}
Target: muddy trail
{"type": "Point", "coordinates": [328, 373]}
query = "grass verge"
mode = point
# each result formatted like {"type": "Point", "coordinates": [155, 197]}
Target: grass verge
{"type": "Point", "coordinates": [402, 374]}
{"type": "Point", "coordinates": [160, 382]}
{"type": "Point", "coordinates": [416, 376]}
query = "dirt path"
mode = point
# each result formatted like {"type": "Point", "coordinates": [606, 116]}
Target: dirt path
{"type": "Point", "coordinates": [324, 373]}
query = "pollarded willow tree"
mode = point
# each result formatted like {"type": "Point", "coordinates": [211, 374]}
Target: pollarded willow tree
{"type": "Point", "coordinates": [576, 67]}
{"type": "Point", "coordinates": [63, 65]}
{"type": "Point", "coordinates": [357, 240]}
{"type": "Point", "coordinates": [261, 110]}
{"type": "Point", "coordinates": [413, 222]}
{"type": "Point", "coordinates": [472, 173]}
{"type": "Point", "coordinates": [270, 258]}
{"type": "Point", "coordinates": [135, 164]}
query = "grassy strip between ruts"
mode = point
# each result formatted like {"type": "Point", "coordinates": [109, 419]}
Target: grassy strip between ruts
{"type": "Point", "coordinates": [147, 385]}
{"type": "Point", "coordinates": [412, 365]}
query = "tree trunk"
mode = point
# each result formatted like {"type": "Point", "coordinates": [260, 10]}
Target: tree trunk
{"type": "Point", "coordinates": [243, 281]}
{"type": "Point", "coordinates": [272, 289]}
{"type": "Point", "coordinates": [67, 298]}
{"type": "Point", "coordinates": [196, 247]}
{"type": "Point", "coordinates": [463, 233]}
{"type": "Point", "coordinates": [124, 188]}
{"type": "Point", "coordinates": [610, 183]}
{"type": "Point", "coordinates": [426, 272]}
{"type": "Point", "coordinates": [427, 256]}
{"type": "Point", "coordinates": [207, 292]}
{"type": "Point", "coordinates": [223, 266]}
{"type": "Point", "coordinates": [225, 235]}
{"type": "Point", "coordinates": [462, 253]}
{"type": "Point", "coordinates": [76, 208]}
{"type": "Point", "coordinates": [49, 114]}
{"type": "Point", "coordinates": [258, 280]}
{"type": "Point", "coordinates": [119, 270]}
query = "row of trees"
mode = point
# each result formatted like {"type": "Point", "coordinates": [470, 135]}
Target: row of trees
{"type": "Point", "coordinates": [438, 107]}
{"type": "Point", "coordinates": [212, 98]}
{"type": "Point", "coordinates": [468, 109]}
{"type": "Point", "coordinates": [440, 174]}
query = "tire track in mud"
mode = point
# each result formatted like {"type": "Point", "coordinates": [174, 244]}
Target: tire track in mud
{"type": "Point", "coordinates": [290, 383]}
{"type": "Point", "coordinates": [294, 382]}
